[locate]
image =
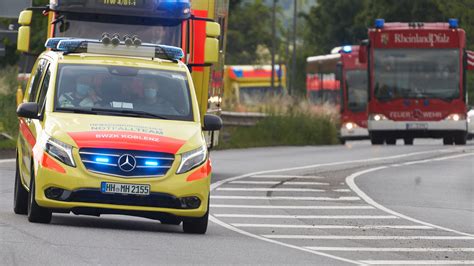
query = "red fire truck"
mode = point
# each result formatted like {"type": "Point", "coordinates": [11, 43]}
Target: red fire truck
{"type": "Point", "coordinates": [339, 78]}
{"type": "Point", "coordinates": [417, 82]}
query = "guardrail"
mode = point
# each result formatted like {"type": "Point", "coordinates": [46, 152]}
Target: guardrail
{"type": "Point", "coordinates": [241, 119]}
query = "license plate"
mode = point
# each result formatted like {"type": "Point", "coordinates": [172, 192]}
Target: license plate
{"type": "Point", "coordinates": [417, 126]}
{"type": "Point", "coordinates": [133, 189]}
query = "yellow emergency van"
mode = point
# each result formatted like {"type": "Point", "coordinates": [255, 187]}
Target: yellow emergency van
{"type": "Point", "coordinates": [113, 128]}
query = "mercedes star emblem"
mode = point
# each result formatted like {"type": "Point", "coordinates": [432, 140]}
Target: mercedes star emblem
{"type": "Point", "coordinates": [127, 162]}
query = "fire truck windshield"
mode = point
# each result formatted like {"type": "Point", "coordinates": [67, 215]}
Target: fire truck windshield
{"type": "Point", "coordinates": [148, 30]}
{"type": "Point", "coordinates": [356, 87]}
{"type": "Point", "coordinates": [416, 73]}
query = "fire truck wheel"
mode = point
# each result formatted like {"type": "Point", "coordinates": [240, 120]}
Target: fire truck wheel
{"type": "Point", "coordinates": [376, 139]}
{"type": "Point", "coordinates": [391, 141]}
{"type": "Point", "coordinates": [448, 140]}
{"type": "Point", "coordinates": [408, 141]}
{"type": "Point", "coordinates": [460, 139]}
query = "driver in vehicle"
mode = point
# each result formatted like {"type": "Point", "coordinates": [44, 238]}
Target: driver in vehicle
{"type": "Point", "coordinates": [82, 96]}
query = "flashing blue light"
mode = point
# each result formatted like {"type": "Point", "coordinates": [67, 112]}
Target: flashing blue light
{"type": "Point", "coordinates": [238, 72]}
{"type": "Point", "coordinates": [180, 9]}
{"type": "Point", "coordinates": [453, 23]}
{"type": "Point", "coordinates": [69, 45]}
{"type": "Point", "coordinates": [151, 163]}
{"type": "Point", "coordinates": [51, 43]}
{"type": "Point", "coordinates": [102, 159]}
{"type": "Point", "coordinates": [347, 49]}
{"type": "Point", "coordinates": [174, 53]}
{"type": "Point", "coordinates": [379, 23]}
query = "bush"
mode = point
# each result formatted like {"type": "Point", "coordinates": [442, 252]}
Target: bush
{"type": "Point", "coordinates": [294, 123]}
{"type": "Point", "coordinates": [8, 87]}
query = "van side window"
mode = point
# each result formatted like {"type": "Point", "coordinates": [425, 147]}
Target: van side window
{"type": "Point", "coordinates": [35, 80]}
{"type": "Point", "coordinates": [44, 90]}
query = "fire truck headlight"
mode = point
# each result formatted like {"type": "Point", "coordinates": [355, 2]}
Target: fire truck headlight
{"type": "Point", "coordinates": [349, 126]}
{"type": "Point", "coordinates": [377, 117]}
{"type": "Point", "coordinates": [455, 117]}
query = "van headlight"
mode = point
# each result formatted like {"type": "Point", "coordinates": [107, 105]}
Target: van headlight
{"type": "Point", "coordinates": [58, 149]}
{"type": "Point", "coordinates": [192, 159]}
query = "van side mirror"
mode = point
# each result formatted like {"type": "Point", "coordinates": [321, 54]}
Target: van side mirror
{"type": "Point", "coordinates": [28, 110]}
{"type": "Point", "coordinates": [212, 122]}
{"type": "Point", "coordinates": [211, 51]}
{"type": "Point", "coordinates": [363, 51]}
{"type": "Point", "coordinates": [339, 71]}
{"type": "Point", "coordinates": [25, 17]}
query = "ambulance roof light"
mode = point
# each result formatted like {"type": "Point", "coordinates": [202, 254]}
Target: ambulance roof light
{"type": "Point", "coordinates": [70, 45]}
{"type": "Point", "coordinates": [347, 49]}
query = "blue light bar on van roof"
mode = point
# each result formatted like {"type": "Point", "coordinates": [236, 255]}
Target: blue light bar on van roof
{"type": "Point", "coordinates": [453, 23]}
{"type": "Point", "coordinates": [347, 49]}
{"type": "Point", "coordinates": [379, 23]}
{"type": "Point", "coordinates": [51, 43]}
{"type": "Point", "coordinates": [178, 8]}
{"type": "Point", "coordinates": [69, 45]}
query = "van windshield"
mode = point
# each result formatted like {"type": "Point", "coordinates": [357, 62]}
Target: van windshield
{"type": "Point", "coordinates": [127, 91]}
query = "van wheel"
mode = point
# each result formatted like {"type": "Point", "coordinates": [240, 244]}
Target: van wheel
{"type": "Point", "coordinates": [36, 213]}
{"type": "Point", "coordinates": [196, 225]}
{"type": "Point", "coordinates": [20, 194]}
{"type": "Point", "coordinates": [408, 141]}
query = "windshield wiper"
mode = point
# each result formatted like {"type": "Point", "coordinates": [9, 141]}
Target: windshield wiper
{"type": "Point", "coordinates": [137, 113]}
{"type": "Point", "coordinates": [75, 110]}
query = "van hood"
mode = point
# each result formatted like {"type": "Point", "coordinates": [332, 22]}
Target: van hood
{"type": "Point", "coordinates": [119, 132]}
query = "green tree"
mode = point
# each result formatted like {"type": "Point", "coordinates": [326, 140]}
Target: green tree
{"type": "Point", "coordinates": [249, 28]}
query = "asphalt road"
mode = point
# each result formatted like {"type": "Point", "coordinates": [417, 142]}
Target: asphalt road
{"type": "Point", "coordinates": [287, 205]}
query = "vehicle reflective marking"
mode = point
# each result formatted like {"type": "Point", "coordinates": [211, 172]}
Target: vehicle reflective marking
{"type": "Point", "coordinates": [278, 182]}
{"type": "Point", "coordinates": [271, 189]}
{"type": "Point", "coordinates": [335, 237]}
{"type": "Point", "coordinates": [271, 216]}
{"type": "Point", "coordinates": [392, 249]}
{"type": "Point", "coordinates": [325, 226]}
{"type": "Point", "coordinates": [293, 207]}
{"type": "Point", "coordinates": [350, 180]}
{"type": "Point", "coordinates": [285, 198]}
{"type": "Point", "coordinates": [413, 262]}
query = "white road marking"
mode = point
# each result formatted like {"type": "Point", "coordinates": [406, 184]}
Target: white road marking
{"type": "Point", "coordinates": [350, 180]}
{"type": "Point", "coordinates": [279, 182]}
{"type": "Point", "coordinates": [350, 207]}
{"type": "Point", "coordinates": [285, 198]}
{"type": "Point", "coordinates": [337, 237]}
{"type": "Point", "coordinates": [275, 216]}
{"type": "Point", "coordinates": [271, 189]}
{"type": "Point", "coordinates": [417, 262]}
{"type": "Point", "coordinates": [237, 230]}
{"type": "Point", "coordinates": [287, 176]}
{"type": "Point", "coordinates": [342, 190]}
{"type": "Point", "coordinates": [266, 172]}
{"type": "Point", "coordinates": [308, 226]}
{"type": "Point", "coordinates": [391, 249]}
{"type": "Point", "coordinates": [7, 160]}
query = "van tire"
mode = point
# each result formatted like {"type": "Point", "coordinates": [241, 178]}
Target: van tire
{"type": "Point", "coordinates": [36, 213]}
{"type": "Point", "coordinates": [20, 194]}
